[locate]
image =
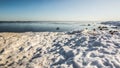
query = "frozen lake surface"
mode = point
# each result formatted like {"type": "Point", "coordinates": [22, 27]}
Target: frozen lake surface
{"type": "Point", "coordinates": [46, 26]}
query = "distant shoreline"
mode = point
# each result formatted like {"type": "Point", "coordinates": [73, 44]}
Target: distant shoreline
{"type": "Point", "coordinates": [41, 21]}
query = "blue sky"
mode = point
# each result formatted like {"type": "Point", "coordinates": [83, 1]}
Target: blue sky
{"type": "Point", "coordinates": [60, 10]}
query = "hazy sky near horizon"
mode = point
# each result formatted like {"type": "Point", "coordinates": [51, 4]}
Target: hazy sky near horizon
{"type": "Point", "coordinates": [57, 10]}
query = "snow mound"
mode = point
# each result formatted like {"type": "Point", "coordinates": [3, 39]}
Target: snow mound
{"type": "Point", "coordinates": [80, 49]}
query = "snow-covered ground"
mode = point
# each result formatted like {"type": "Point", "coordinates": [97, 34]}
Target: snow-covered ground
{"type": "Point", "coordinates": [78, 49]}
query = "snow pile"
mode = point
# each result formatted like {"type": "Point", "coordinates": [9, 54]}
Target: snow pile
{"type": "Point", "coordinates": [80, 49]}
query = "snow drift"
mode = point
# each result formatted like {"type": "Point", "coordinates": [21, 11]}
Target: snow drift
{"type": "Point", "coordinates": [80, 49]}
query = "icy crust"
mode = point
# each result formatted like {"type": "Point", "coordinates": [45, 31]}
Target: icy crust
{"type": "Point", "coordinates": [80, 49]}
